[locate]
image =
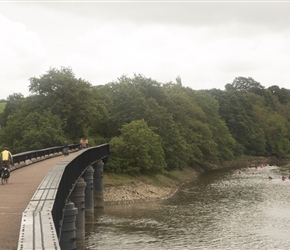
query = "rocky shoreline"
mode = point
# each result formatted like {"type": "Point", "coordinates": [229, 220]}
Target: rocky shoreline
{"type": "Point", "coordinates": [139, 192]}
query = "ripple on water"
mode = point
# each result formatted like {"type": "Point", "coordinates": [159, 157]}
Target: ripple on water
{"type": "Point", "coordinates": [222, 210]}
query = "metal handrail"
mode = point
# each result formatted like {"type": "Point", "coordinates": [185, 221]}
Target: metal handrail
{"type": "Point", "coordinates": [62, 178]}
{"type": "Point", "coordinates": [38, 154]}
{"type": "Point", "coordinates": [71, 174]}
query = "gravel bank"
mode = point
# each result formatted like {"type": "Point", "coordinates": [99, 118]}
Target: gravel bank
{"type": "Point", "coordinates": [139, 192]}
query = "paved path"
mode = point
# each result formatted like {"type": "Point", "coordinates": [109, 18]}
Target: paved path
{"type": "Point", "coordinates": [15, 196]}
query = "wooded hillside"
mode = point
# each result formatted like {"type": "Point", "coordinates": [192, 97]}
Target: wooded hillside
{"type": "Point", "coordinates": [151, 126]}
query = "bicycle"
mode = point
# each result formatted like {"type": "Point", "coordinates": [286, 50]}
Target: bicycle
{"type": "Point", "coordinates": [65, 151]}
{"type": "Point", "coordinates": [5, 174]}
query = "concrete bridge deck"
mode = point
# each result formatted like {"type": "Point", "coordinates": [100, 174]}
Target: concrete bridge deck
{"type": "Point", "coordinates": [16, 195]}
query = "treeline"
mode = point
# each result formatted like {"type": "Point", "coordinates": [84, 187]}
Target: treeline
{"type": "Point", "coordinates": [151, 126]}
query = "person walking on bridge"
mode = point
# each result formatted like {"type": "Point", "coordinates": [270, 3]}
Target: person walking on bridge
{"type": "Point", "coordinates": [6, 158]}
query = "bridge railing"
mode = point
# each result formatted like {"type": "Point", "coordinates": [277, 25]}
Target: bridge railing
{"type": "Point", "coordinates": [22, 158]}
{"type": "Point", "coordinates": [72, 172]}
{"type": "Point", "coordinates": [41, 224]}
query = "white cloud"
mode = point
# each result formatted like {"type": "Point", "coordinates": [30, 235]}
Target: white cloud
{"type": "Point", "coordinates": [202, 57]}
{"type": "Point", "coordinates": [206, 44]}
{"type": "Point", "coordinates": [21, 56]}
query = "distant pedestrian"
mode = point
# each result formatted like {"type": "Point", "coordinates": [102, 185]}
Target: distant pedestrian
{"type": "Point", "coordinates": [83, 144]}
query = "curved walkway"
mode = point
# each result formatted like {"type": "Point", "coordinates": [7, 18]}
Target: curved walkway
{"type": "Point", "coordinates": [15, 196]}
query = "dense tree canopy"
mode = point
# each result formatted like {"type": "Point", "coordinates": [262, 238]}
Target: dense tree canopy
{"type": "Point", "coordinates": [71, 99]}
{"type": "Point", "coordinates": [152, 127]}
{"type": "Point", "coordinates": [138, 150]}
{"type": "Point", "coordinates": [245, 84]}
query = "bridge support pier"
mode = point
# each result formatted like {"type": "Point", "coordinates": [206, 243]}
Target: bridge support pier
{"type": "Point", "coordinates": [89, 193]}
{"type": "Point", "coordinates": [68, 232]}
{"type": "Point", "coordinates": [98, 184]}
{"type": "Point", "coordinates": [78, 198]}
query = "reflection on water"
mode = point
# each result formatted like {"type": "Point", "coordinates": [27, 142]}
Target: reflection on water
{"type": "Point", "coordinates": [221, 210]}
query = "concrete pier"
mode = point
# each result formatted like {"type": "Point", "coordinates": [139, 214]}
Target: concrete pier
{"type": "Point", "coordinates": [78, 198]}
{"type": "Point", "coordinates": [68, 232]}
{"type": "Point", "coordinates": [98, 184]}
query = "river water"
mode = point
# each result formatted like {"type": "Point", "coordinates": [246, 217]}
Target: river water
{"type": "Point", "coordinates": [221, 210]}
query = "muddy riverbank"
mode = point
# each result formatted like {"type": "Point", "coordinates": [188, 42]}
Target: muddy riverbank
{"type": "Point", "coordinates": [128, 189]}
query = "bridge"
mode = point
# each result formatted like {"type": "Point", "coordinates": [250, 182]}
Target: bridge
{"type": "Point", "coordinates": [49, 196]}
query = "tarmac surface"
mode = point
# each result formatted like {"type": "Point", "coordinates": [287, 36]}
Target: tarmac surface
{"type": "Point", "coordinates": [16, 195]}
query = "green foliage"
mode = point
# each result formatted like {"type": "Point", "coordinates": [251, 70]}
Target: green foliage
{"type": "Point", "coordinates": [236, 109]}
{"type": "Point", "coordinates": [14, 104]}
{"type": "Point", "coordinates": [2, 106]}
{"type": "Point", "coordinates": [69, 98]}
{"type": "Point", "coordinates": [137, 150]}
{"type": "Point", "coordinates": [219, 145]}
{"type": "Point", "coordinates": [275, 133]}
{"type": "Point", "coordinates": [33, 131]}
{"type": "Point", "coordinates": [282, 94]}
{"type": "Point", "coordinates": [151, 126]}
{"type": "Point", "coordinates": [162, 122]}
{"type": "Point", "coordinates": [245, 84]}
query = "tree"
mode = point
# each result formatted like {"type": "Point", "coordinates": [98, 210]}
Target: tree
{"type": "Point", "coordinates": [178, 80]}
{"type": "Point", "coordinates": [236, 109]}
{"type": "Point", "coordinates": [187, 116]}
{"type": "Point", "coordinates": [69, 98]}
{"type": "Point", "coordinates": [220, 143]}
{"type": "Point", "coordinates": [176, 149]}
{"type": "Point", "coordinates": [276, 135]}
{"type": "Point", "coordinates": [14, 103]}
{"type": "Point", "coordinates": [128, 103]}
{"type": "Point", "coordinates": [138, 150]}
{"type": "Point", "coordinates": [282, 94]}
{"type": "Point", "coordinates": [32, 131]}
{"type": "Point", "coordinates": [244, 84]}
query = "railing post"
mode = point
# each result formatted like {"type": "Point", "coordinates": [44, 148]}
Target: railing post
{"type": "Point", "coordinates": [98, 184]}
{"type": "Point", "coordinates": [68, 232]}
{"type": "Point", "coordinates": [78, 198]}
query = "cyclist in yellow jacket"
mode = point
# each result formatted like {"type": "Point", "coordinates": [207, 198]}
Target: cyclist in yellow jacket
{"type": "Point", "coordinates": [6, 158]}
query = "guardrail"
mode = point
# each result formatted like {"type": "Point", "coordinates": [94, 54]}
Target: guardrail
{"type": "Point", "coordinates": [28, 157]}
{"type": "Point", "coordinates": [41, 224]}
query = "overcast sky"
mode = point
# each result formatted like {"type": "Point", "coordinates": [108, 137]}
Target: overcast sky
{"type": "Point", "coordinates": [206, 43]}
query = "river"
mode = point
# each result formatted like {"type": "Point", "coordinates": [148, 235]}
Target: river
{"type": "Point", "coordinates": [221, 210]}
